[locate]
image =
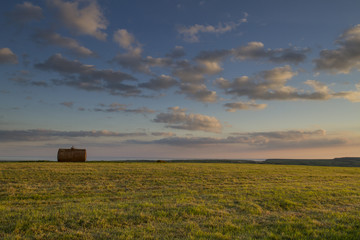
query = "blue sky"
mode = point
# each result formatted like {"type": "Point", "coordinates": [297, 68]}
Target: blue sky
{"type": "Point", "coordinates": [180, 79]}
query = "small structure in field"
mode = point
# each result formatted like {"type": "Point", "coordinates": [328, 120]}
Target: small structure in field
{"type": "Point", "coordinates": [161, 161]}
{"type": "Point", "coordinates": [71, 155]}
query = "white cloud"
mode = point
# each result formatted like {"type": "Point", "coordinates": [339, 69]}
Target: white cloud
{"type": "Point", "coordinates": [177, 118]}
{"type": "Point", "coordinates": [51, 38]}
{"type": "Point", "coordinates": [7, 56]}
{"type": "Point", "coordinates": [81, 17]}
{"type": "Point", "coordinates": [25, 12]}
{"type": "Point", "coordinates": [118, 107]}
{"type": "Point", "coordinates": [271, 85]}
{"type": "Point", "coordinates": [286, 135]}
{"type": "Point", "coordinates": [48, 134]}
{"type": "Point", "coordinates": [352, 96]}
{"type": "Point", "coordinates": [133, 59]}
{"type": "Point", "coordinates": [87, 77]}
{"type": "Point", "coordinates": [198, 92]}
{"type": "Point", "coordinates": [290, 139]}
{"type": "Point", "coordinates": [189, 73]}
{"type": "Point", "coordinates": [191, 34]}
{"type": "Point", "coordinates": [318, 86]}
{"type": "Point", "coordinates": [252, 51]}
{"type": "Point", "coordinates": [193, 73]}
{"type": "Point", "coordinates": [267, 85]}
{"type": "Point", "coordinates": [160, 82]}
{"type": "Point", "coordinates": [125, 39]}
{"type": "Point", "coordinates": [346, 57]}
{"type": "Point", "coordinates": [256, 50]}
{"type": "Point", "coordinates": [163, 134]}
{"type": "Point", "coordinates": [233, 107]}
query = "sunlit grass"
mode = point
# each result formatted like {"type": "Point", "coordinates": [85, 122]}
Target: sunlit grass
{"type": "Point", "coordinates": [178, 201]}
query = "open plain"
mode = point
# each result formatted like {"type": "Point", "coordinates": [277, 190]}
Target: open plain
{"type": "Point", "coordinates": [112, 200]}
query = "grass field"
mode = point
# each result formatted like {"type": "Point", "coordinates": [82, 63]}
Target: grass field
{"type": "Point", "coordinates": [103, 200]}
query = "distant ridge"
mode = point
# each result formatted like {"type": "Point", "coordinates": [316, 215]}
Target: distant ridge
{"type": "Point", "coordinates": [335, 162]}
{"type": "Point", "coordinates": [348, 158]}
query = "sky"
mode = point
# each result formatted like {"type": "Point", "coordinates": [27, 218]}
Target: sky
{"type": "Point", "coordinates": [181, 79]}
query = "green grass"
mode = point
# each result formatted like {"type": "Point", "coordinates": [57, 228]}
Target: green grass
{"type": "Point", "coordinates": [50, 200]}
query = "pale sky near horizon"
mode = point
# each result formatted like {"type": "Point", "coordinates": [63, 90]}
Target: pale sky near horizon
{"type": "Point", "coordinates": [180, 79]}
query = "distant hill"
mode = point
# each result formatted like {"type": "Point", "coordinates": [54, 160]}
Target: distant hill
{"type": "Point", "coordinates": [336, 162]}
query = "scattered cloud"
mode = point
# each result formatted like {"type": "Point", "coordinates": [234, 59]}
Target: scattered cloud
{"type": "Point", "coordinates": [198, 92]}
{"type": "Point", "coordinates": [177, 52]}
{"type": "Point", "coordinates": [62, 65]}
{"type": "Point", "coordinates": [213, 56]}
{"type": "Point", "coordinates": [46, 134]}
{"type": "Point", "coordinates": [87, 77]}
{"type": "Point", "coordinates": [48, 37]}
{"type": "Point", "coordinates": [114, 107]}
{"type": "Point", "coordinates": [289, 135]}
{"type": "Point", "coordinates": [256, 50]}
{"type": "Point", "coordinates": [142, 110]}
{"type": "Point", "coordinates": [182, 141]}
{"type": "Point", "coordinates": [73, 25]}
{"type": "Point", "coordinates": [39, 84]}
{"type": "Point", "coordinates": [68, 104]}
{"type": "Point", "coordinates": [118, 107]}
{"type": "Point", "coordinates": [177, 118]}
{"type": "Point", "coordinates": [82, 17]}
{"type": "Point", "coordinates": [352, 96]}
{"type": "Point", "coordinates": [125, 39]}
{"type": "Point", "coordinates": [192, 77]}
{"type": "Point", "coordinates": [191, 33]}
{"type": "Point", "coordinates": [293, 139]}
{"type": "Point", "coordinates": [271, 85]}
{"type": "Point", "coordinates": [24, 77]}
{"type": "Point", "coordinates": [320, 88]}
{"type": "Point", "coordinates": [233, 107]}
{"type": "Point", "coordinates": [189, 73]}
{"type": "Point", "coordinates": [346, 57]}
{"type": "Point", "coordinates": [7, 56]}
{"type": "Point", "coordinates": [159, 83]}
{"type": "Point", "coordinates": [290, 139]}
{"type": "Point", "coordinates": [192, 73]}
{"type": "Point", "coordinates": [24, 13]}
{"type": "Point", "coordinates": [163, 134]}
{"type": "Point", "coordinates": [134, 61]}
